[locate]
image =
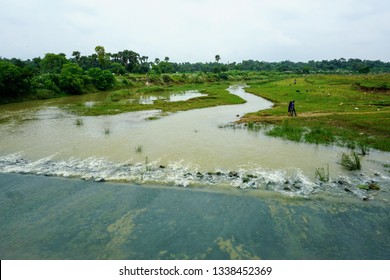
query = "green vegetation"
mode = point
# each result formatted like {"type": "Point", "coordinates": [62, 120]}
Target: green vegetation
{"type": "Point", "coordinates": [322, 174]}
{"type": "Point", "coordinates": [331, 109]}
{"type": "Point", "coordinates": [371, 186]}
{"type": "Point", "coordinates": [351, 162]}
{"type": "Point", "coordinates": [125, 100]}
{"type": "Point", "coordinates": [55, 74]}
{"type": "Point", "coordinates": [337, 101]}
{"type": "Point", "coordinates": [79, 122]}
{"type": "Point", "coordinates": [139, 149]}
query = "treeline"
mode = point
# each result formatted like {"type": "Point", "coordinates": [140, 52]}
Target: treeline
{"type": "Point", "coordinates": [56, 74]}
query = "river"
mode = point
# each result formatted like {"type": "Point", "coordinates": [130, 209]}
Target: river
{"type": "Point", "coordinates": [182, 186]}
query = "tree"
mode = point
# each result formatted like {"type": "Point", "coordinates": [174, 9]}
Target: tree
{"type": "Point", "coordinates": [102, 79]}
{"type": "Point", "coordinates": [76, 55]}
{"type": "Point", "coordinates": [217, 58]}
{"type": "Point", "coordinates": [117, 68]}
{"type": "Point", "coordinates": [130, 60]}
{"type": "Point", "coordinates": [52, 63]}
{"type": "Point", "coordinates": [143, 59]}
{"type": "Point", "coordinates": [102, 57]}
{"type": "Point", "coordinates": [14, 80]}
{"type": "Point", "coordinates": [71, 79]}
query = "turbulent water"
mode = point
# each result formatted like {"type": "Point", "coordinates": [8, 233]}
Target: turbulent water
{"type": "Point", "coordinates": [187, 185]}
{"type": "Point", "coordinates": [57, 218]}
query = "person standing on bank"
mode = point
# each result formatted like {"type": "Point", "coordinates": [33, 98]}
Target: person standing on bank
{"type": "Point", "coordinates": [289, 108]}
{"type": "Point", "coordinates": [292, 111]}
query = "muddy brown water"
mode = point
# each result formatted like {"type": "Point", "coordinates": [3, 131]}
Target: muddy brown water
{"type": "Point", "coordinates": [185, 148]}
{"type": "Point", "coordinates": [180, 187]}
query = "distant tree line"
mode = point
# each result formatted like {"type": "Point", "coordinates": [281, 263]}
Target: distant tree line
{"type": "Point", "coordinates": [55, 73]}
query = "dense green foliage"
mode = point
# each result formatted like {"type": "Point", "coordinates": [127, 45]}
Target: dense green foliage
{"type": "Point", "coordinates": [14, 80]}
{"type": "Point", "coordinates": [56, 74]}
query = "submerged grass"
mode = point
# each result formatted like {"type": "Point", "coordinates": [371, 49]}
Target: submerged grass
{"type": "Point", "coordinates": [79, 122]}
{"type": "Point", "coordinates": [139, 149]}
{"type": "Point", "coordinates": [350, 162]}
{"type": "Point", "coordinates": [322, 174]}
{"type": "Point", "coordinates": [287, 131]}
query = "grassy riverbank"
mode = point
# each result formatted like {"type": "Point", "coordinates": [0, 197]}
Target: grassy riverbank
{"type": "Point", "coordinates": [347, 110]}
{"type": "Point", "coordinates": [352, 111]}
{"type": "Point", "coordinates": [127, 100]}
{"type": "Point", "coordinates": [130, 88]}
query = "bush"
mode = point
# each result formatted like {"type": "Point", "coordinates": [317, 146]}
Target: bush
{"type": "Point", "coordinates": [101, 79]}
{"type": "Point", "coordinates": [71, 79]}
{"type": "Point", "coordinates": [14, 80]}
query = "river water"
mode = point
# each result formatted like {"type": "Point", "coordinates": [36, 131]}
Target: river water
{"type": "Point", "coordinates": [211, 191]}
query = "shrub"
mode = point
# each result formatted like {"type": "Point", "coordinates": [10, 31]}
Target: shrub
{"type": "Point", "coordinates": [71, 79]}
{"type": "Point", "coordinates": [102, 79]}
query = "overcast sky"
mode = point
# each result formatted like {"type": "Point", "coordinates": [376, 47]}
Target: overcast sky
{"type": "Point", "coordinates": [197, 30]}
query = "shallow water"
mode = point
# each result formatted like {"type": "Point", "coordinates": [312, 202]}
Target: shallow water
{"type": "Point", "coordinates": [183, 149]}
{"type": "Point", "coordinates": [57, 218]}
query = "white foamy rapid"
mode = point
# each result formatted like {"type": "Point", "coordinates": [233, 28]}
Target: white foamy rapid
{"type": "Point", "coordinates": [293, 183]}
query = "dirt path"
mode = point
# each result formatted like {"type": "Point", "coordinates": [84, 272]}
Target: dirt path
{"type": "Point", "coordinates": [278, 118]}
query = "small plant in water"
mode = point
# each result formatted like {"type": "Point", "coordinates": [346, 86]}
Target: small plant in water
{"type": "Point", "coordinates": [147, 167]}
{"type": "Point", "coordinates": [79, 122]}
{"type": "Point", "coordinates": [364, 149]}
{"type": "Point", "coordinates": [322, 174]}
{"type": "Point", "coordinates": [251, 125]}
{"type": "Point", "coordinates": [351, 162]}
{"type": "Point", "coordinates": [139, 149]}
{"type": "Point", "coordinates": [106, 130]}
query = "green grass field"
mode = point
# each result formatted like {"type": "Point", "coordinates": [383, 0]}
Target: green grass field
{"type": "Point", "coordinates": [348, 110]}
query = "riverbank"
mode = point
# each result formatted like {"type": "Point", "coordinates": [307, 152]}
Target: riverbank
{"type": "Point", "coordinates": [351, 111]}
{"type": "Point", "coordinates": [57, 218]}
{"type": "Point", "coordinates": [132, 99]}
{"type": "Point", "coordinates": [347, 110]}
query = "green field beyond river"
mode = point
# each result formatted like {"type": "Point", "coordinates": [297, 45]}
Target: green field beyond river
{"type": "Point", "coordinates": [187, 185]}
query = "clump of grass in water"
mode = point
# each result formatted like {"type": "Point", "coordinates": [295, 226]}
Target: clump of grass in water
{"type": "Point", "coordinates": [371, 186]}
{"type": "Point", "coordinates": [79, 122]}
{"type": "Point", "coordinates": [106, 130]}
{"type": "Point", "coordinates": [322, 174]}
{"type": "Point", "coordinates": [139, 149]}
{"type": "Point", "coordinates": [147, 167]}
{"type": "Point", "coordinates": [364, 149]}
{"type": "Point", "coordinates": [287, 131]}
{"type": "Point", "coordinates": [251, 125]}
{"type": "Point", "coordinates": [351, 162]}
